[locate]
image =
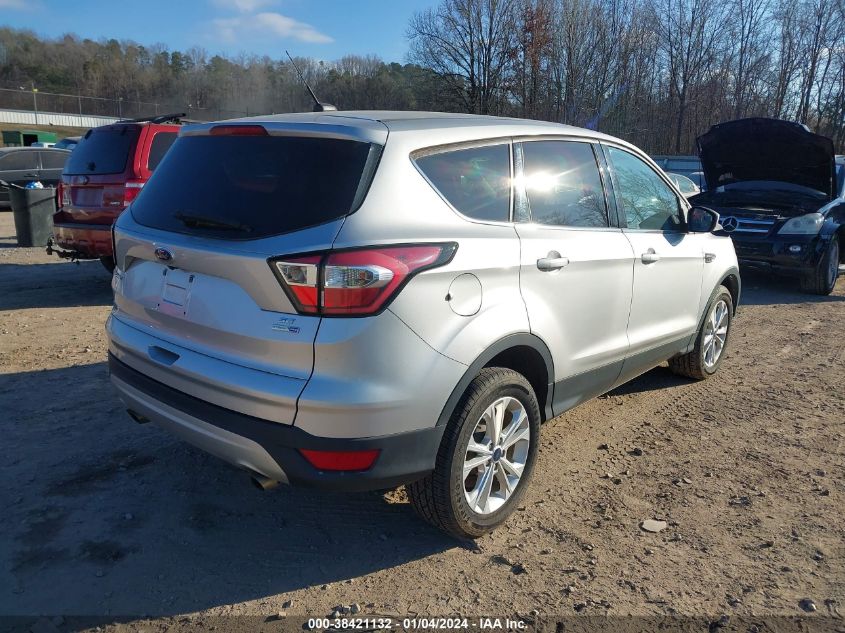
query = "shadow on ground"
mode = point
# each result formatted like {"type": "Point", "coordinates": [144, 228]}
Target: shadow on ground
{"type": "Point", "coordinates": [54, 285]}
{"type": "Point", "coordinates": [106, 516]}
{"type": "Point", "coordinates": [760, 288]}
{"type": "Point", "coordinates": [8, 241]}
{"type": "Point", "coordinates": [654, 380]}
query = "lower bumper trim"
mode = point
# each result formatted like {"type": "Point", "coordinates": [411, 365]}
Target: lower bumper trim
{"type": "Point", "coordinates": [270, 448]}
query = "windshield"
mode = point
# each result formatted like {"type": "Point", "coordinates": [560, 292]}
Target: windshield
{"type": "Point", "coordinates": [246, 187]}
{"type": "Point", "coordinates": [840, 179]}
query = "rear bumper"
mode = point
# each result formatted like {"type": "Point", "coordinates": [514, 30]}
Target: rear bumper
{"type": "Point", "coordinates": [270, 448]}
{"type": "Point", "coordinates": [89, 240]}
{"type": "Point", "coordinates": [787, 254]}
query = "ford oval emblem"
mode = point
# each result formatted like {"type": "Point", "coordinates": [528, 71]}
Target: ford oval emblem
{"type": "Point", "coordinates": [163, 254]}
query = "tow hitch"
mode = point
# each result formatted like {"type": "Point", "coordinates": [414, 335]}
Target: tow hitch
{"type": "Point", "coordinates": [73, 256]}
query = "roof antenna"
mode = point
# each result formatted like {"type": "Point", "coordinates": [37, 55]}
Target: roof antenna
{"type": "Point", "coordinates": [319, 106]}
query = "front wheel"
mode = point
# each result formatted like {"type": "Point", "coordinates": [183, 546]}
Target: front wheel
{"type": "Point", "coordinates": [706, 356]}
{"type": "Point", "coordinates": [823, 279]}
{"type": "Point", "coordinates": [486, 456]}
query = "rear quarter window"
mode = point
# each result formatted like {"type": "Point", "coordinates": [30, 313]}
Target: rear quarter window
{"type": "Point", "coordinates": [103, 151]}
{"type": "Point", "coordinates": [247, 187]}
{"type": "Point", "coordinates": [158, 148]}
{"type": "Point", "coordinates": [476, 181]}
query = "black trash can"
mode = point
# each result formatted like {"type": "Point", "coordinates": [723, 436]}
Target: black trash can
{"type": "Point", "coordinates": [33, 210]}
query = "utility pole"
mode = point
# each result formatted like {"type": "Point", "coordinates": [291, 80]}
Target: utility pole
{"type": "Point", "coordinates": [35, 103]}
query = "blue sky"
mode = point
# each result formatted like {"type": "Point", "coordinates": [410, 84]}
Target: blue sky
{"type": "Point", "coordinates": [324, 29]}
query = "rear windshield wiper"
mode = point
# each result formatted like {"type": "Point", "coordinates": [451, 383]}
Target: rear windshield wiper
{"type": "Point", "coordinates": [198, 221]}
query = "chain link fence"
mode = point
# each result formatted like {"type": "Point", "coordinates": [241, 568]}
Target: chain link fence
{"type": "Point", "coordinates": [34, 100]}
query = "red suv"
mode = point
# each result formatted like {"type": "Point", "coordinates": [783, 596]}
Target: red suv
{"type": "Point", "coordinates": [102, 177]}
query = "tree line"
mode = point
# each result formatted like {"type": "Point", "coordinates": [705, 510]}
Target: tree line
{"type": "Point", "coordinates": [655, 72]}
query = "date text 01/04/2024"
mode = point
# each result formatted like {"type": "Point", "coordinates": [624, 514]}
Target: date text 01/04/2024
{"type": "Point", "coordinates": [417, 623]}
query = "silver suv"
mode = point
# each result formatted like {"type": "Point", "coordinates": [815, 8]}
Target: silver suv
{"type": "Point", "coordinates": [359, 300]}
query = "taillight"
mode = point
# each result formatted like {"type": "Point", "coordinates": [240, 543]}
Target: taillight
{"type": "Point", "coordinates": [131, 190]}
{"type": "Point", "coordinates": [355, 282]}
{"type": "Point", "coordinates": [299, 277]}
{"type": "Point", "coordinates": [340, 460]}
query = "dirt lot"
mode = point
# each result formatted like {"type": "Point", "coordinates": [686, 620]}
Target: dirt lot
{"type": "Point", "coordinates": [100, 516]}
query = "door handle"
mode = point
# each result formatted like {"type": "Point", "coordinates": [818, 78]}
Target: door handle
{"type": "Point", "coordinates": [649, 257]}
{"type": "Point", "coordinates": [552, 261]}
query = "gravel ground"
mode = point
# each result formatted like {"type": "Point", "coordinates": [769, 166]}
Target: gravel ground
{"type": "Point", "coordinates": [100, 516]}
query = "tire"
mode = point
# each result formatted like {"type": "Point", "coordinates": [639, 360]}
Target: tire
{"type": "Point", "coordinates": [698, 364]}
{"type": "Point", "coordinates": [441, 498]}
{"type": "Point", "coordinates": [823, 279]}
{"type": "Point", "coordinates": [108, 263]}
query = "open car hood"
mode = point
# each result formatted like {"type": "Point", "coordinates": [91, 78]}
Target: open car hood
{"type": "Point", "coordinates": [767, 149]}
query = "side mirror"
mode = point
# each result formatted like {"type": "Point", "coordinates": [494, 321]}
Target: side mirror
{"type": "Point", "coordinates": [702, 220]}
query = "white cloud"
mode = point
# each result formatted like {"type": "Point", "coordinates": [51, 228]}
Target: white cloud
{"type": "Point", "coordinates": [243, 6]}
{"type": "Point", "coordinates": [232, 29]}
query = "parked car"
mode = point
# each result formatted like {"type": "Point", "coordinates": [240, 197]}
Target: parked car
{"type": "Point", "coordinates": [358, 300]}
{"type": "Point", "coordinates": [684, 184]}
{"type": "Point", "coordinates": [689, 166]}
{"type": "Point", "coordinates": [43, 144]}
{"type": "Point", "coordinates": [69, 142]}
{"type": "Point", "coordinates": [781, 193]}
{"type": "Point", "coordinates": [20, 165]}
{"type": "Point", "coordinates": [104, 174]}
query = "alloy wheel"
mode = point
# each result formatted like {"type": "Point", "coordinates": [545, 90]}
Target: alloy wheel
{"type": "Point", "coordinates": [715, 333]}
{"type": "Point", "coordinates": [496, 455]}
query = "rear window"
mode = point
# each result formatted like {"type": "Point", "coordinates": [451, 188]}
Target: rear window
{"type": "Point", "coordinates": [103, 151]}
{"type": "Point", "coordinates": [246, 187]}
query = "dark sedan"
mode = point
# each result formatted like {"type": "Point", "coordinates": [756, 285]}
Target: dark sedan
{"type": "Point", "coordinates": [20, 165]}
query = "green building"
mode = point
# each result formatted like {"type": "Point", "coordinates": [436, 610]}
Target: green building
{"type": "Point", "coordinates": [25, 138]}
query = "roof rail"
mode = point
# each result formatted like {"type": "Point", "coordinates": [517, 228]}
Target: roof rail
{"type": "Point", "coordinates": [158, 118]}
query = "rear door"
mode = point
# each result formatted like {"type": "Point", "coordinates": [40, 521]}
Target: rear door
{"type": "Point", "coordinates": [576, 266]}
{"type": "Point", "coordinates": [668, 261]}
{"type": "Point", "coordinates": [195, 249]}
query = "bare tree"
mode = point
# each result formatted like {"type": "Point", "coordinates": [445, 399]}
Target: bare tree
{"type": "Point", "coordinates": [468, 43]}
{"type": "Point", "coordinates": [751, 51]}
{"type": "Point", "coordinates": [690, 33]}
